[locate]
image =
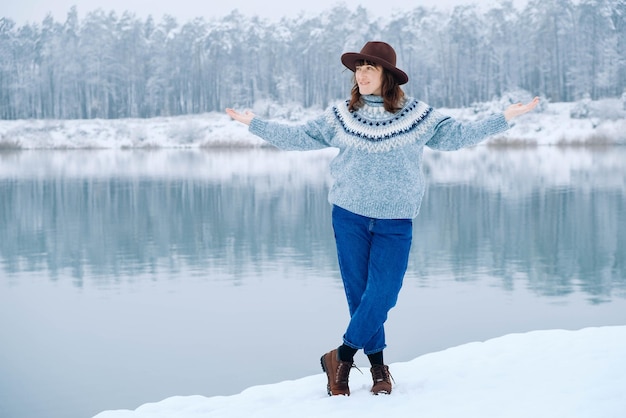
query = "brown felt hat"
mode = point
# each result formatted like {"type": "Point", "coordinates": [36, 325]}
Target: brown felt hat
{"type": "Point", "coordinates": [379, 53]}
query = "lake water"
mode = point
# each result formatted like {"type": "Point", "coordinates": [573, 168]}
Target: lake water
{"type": "Point", "coordinates": [128, 277]}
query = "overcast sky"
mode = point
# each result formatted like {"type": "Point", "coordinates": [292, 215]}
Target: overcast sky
{"type": "Point", "coordinates": [22, 11]}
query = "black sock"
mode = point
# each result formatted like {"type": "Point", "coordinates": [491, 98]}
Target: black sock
{"type": "Point", "coordinates": [376, 358]}
{"type": "Point", "coordinates": [346, 353]}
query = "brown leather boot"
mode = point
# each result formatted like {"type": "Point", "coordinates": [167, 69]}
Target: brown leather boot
{"type": "Point", "coordinates": [382, 379]}
{"type": "Point", "coordinates": [337, 372]}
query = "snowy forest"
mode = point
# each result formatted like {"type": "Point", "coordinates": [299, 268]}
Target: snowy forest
{"type": "Point", "coordinates": [110, 66]}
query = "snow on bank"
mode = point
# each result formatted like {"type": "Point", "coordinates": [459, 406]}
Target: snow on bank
{"type": "Point", "coordinates": [539, 374]}
{"type": "Point", "coordinates": [193, 131]}
{"type": "Point", "coordinates": [595, 122]}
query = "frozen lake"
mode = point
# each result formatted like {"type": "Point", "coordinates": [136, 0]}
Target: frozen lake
{"type": "Point", "coordinates": [130, 276]}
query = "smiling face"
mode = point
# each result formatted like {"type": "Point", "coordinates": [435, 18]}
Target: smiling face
{"type": "Point", "coordinates": [369, 78]}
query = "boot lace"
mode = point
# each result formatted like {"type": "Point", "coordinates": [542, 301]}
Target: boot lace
{"type": "Point", "coordinates": [381, 373]}
{"type": "Point", "coordinates": [343, 372]}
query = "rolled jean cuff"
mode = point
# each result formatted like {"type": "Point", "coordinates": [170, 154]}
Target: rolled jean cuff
{"type": "Point", "coordinates": [367, 352]}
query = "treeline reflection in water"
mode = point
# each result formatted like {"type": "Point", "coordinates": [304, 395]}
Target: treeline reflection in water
{"type": "Point", "coordinates": [553, 219]}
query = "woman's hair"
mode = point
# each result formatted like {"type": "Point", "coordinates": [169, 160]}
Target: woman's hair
{"type": "Point", "coordinates": [391, 92]}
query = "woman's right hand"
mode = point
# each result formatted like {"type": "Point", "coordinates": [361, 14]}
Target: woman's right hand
{"type": "Point", "coordinates": [519, 109]}
{"type": "Point", "coordinates": [245, 117]}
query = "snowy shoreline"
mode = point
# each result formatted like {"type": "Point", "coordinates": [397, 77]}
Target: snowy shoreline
{"type": "Point", "coordinates": [603, 123]}
{"type": "Point", "coordinates": [551, 374]}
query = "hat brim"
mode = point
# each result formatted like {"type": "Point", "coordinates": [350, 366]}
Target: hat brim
{"type": "Point", "coordinates": [349, 59]}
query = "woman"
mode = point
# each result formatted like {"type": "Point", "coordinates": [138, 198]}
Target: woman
{"type": "Point", "coordinates": [377, 191]}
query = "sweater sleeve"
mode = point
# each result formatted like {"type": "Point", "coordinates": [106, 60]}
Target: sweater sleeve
{"type": "Point", "coordinates": [316, 134]}
{"type": "Point", "coordinates": [451, 134]}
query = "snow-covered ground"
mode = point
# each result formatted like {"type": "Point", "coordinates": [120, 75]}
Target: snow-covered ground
{"type": "Point", "coordinates": [601, 122]}
{"type": "Point", "coordinates": [540, 374]}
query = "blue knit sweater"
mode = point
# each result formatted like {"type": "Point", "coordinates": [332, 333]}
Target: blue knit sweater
{"type": "Point", "coordinates": [378, 170]}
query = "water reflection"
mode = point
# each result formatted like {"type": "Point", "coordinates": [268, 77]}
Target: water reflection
{"type": "Point", "coordinates": [104, 225]}
{"type": "Point", "coordinates": [127, 277]}
{"type": "Point", "coordinates": [557, 226]}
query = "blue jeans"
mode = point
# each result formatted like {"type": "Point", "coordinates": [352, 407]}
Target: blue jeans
{"type": "Point", "coordinates": [373, 257]}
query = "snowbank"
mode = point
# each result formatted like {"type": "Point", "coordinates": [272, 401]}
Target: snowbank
{"type": "Point", "coordinates": [208, 130]}
{"type": "Point", "coordinates": [602, 122]}
{"type": "Point", "coordinates": [538, 374]}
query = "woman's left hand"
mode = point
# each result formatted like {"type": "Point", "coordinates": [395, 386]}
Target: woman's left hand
{"type": "Point", "coordinates": [519, 109]}
{"type": "Point", "coordinates": [245, 117]}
